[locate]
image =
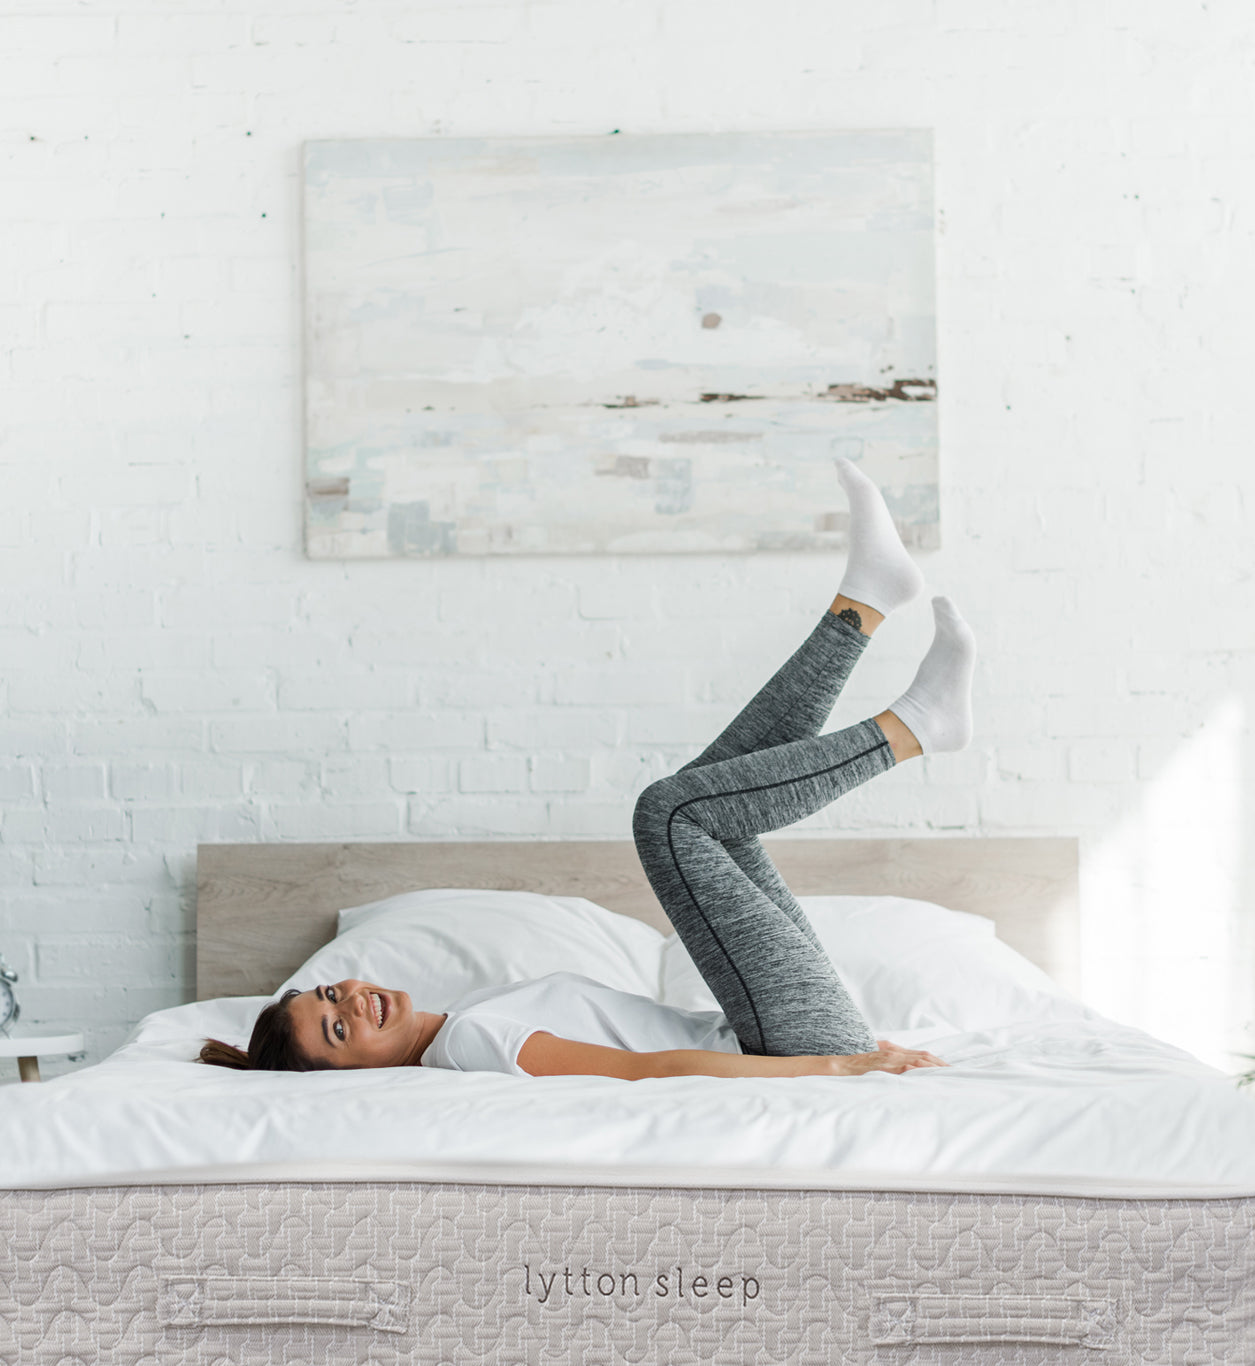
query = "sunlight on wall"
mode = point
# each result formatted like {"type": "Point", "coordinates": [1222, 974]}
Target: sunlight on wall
{"type": "Point", "coordinates": [1164, 892]}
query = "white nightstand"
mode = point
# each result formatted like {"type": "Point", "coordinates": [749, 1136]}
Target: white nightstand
{"type": "Point", "coordinates": [28, 1049]}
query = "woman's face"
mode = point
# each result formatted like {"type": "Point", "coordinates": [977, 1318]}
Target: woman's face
{"type": "Point", "coordinates": [340, 1024]}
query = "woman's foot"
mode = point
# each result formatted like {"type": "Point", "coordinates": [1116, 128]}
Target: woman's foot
{"type": "Point", "coordinates": [879, 574]}
{"type": "Point", "coordinates": [937, 707]}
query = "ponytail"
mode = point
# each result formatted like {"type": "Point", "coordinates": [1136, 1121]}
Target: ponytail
{"type": "Point", "coordinates": [223, 1054]}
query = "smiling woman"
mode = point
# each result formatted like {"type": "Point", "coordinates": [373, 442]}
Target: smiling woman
{"type": "Point", "coordinates": [786, 1011]}
{"type": "Point", "coordinates": [343, 1024]}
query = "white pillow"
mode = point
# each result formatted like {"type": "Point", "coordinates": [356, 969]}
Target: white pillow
{"type": "Point", "coordinates": [908, 965]}
{"type": "Point", "coordinates": [440, 943]}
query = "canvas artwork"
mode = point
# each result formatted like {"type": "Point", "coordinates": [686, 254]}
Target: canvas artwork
{"type": "Point", "coordinates": [617, 344]}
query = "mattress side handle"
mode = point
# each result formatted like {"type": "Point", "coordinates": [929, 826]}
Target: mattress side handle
{"type": "Point", "coordinates": [202, 1301]}
{"type": "Point", "coordinates": [937, 1319]}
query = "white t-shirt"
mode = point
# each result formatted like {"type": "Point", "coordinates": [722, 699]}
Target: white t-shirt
{"type": "Point", "coordinates": [486, 1028]}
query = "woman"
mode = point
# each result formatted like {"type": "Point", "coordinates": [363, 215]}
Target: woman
{"type": "Point", "coordinates": [786, 1012]}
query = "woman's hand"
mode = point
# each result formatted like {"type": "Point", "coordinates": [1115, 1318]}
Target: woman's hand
{"type": "Point", "coordinates": [930, 1058]}
{"type": "Point", "coordinates": [889, 1057]}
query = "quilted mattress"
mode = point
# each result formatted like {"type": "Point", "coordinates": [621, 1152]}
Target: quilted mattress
{"type": "Point", "coordinates": [501, 1275]}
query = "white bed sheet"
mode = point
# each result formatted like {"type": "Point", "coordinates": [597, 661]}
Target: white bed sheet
{"type": "Point", "coordinates": [1082, 1106]}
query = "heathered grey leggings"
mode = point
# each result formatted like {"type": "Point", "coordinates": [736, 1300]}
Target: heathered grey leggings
{"type": "Point", "coordinates": [696, 834]}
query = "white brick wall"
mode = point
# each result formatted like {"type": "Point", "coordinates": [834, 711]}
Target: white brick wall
{"type": "Point", "coordinates": [173, 670]}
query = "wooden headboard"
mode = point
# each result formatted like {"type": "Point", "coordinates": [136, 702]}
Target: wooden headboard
{"type": "Point", "coordinates": [262, 909]}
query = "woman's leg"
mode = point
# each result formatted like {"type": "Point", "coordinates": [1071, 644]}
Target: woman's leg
{"type": "Point", "coordinates": [696, 836]}
{"type": "Point", "coordinates": [797, 699]}
{"type": "Point", "coordinates": [696, 832]}
{"type": "Point", "coordinates": [793, 704]}
{"type": "Point", "coordinates": [879, 577]}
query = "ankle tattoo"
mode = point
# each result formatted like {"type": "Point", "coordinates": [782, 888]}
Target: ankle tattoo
{"type": "Point", "coordinates": [850, 617]}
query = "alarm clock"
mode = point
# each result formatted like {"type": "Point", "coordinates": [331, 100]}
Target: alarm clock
{"type": "Point", "coordinates": [9, 1008]}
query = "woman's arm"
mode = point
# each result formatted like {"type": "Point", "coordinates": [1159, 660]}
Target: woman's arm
{"type": "Point", "coordinates": [546, 1055]}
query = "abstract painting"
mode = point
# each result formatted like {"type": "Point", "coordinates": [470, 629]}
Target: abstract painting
{"type": "Point", "coordinates": [616, 344]}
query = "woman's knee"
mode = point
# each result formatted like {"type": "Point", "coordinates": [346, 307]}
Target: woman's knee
{"type": "Point", "coordinates": [655, 806]}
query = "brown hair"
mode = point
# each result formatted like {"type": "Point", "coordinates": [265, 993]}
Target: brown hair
{"type": "Point", "coordinates": [273, 1046]}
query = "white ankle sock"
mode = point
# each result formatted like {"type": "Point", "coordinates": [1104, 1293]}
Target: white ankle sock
{"type": "Point", "coordinates": [879, 573]}
{"type": "Point", "coordinates": [937, 707]}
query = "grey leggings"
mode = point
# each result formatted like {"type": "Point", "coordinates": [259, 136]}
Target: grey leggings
{"type": "Point", "coordinates": [696, 834]}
